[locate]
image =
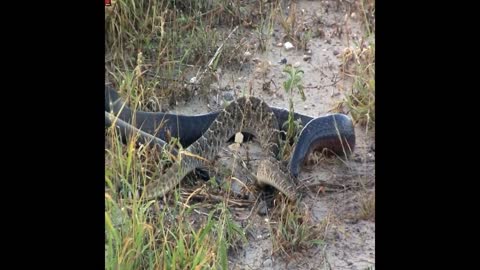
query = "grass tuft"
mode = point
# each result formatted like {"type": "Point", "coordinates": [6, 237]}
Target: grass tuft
{"type": "Point", "coordinates": [294, 230]}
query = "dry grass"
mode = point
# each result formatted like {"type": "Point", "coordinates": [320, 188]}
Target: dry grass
{"type": "Point", "coordinates": [358, 63]}
{"type": "Point", "coordinates": [155, 47]}
{"type": "Point", "coordinates": [294, 230]}
{"type": "Point", "coordinates": [152, 50]}
{"type": "Point", "coordinates": [151, 235]}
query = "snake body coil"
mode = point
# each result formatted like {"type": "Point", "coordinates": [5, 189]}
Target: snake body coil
{"type": "Point", "coordinates": [203, 135]}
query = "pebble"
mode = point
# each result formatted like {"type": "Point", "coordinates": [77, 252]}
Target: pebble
{"type": "Point", "coordinates": [228, 96]}
{"type": "Point", "coordinates": [296, 64]}
{"type": "Point", "coordinates": [335, 52]}
{"type": "Point", "coordinates": [239, 137]}
{"type": "Point", "coordinates": [307, 57]}
{"type": "Point", "coordinates": [288, 46]}
{"type": "Point", "coordinates": [279, 44]}
{"type": "Point", "coordinates": [267, 263]}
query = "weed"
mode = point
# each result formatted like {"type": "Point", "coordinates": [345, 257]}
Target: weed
{"type": "Point", "coordinates": [292, 84]}
{"type": "Point", "coordinates": [367, 206]}
{"type": "Point", "coordinates": [359, 64]}
{"type": "Point", "coordinates": [294, 230]}
{"type": "Point", "coordinates": [175, 39]}
{"type": "Point", "coordinates": [140, 235]}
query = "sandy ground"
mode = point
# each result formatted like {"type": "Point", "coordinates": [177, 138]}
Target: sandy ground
{"type": "Point", "coordinates": [349, 242]}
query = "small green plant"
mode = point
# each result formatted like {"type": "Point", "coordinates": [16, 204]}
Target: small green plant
{"type": "Point", "coordinates": [292, 84]}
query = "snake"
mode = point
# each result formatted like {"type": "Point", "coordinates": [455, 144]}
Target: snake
{"type": "Point", "coordinates": [204, 134]}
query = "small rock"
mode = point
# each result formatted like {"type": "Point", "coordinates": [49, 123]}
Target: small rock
{"type": "Point", "coordinates": [193, 80]}
{"type": "Point", "coordinates": [228, 96]}
{"type": "Point", "coordinates": [247, 54]}
{"type": "Point", "coordinates": [335, 52]}
{"type": "Point", "coordinates": [296, 64]}
{"type": "Point", "coordinates": [279, 44]}
{"type": "Point", "coordinates": [239, 137]}
{"type": "Point", "coordinates": [307, 58]}
{"type": "Point", "coordinates": [309, 52]}
{"type": "Point", "coordinates": [353, 15]}
{"type": "Point", "coordinates": [283, 61]}
{"type": "Point", "coordinates": [305, 107]}
{"type": "Point", "coordinates": [288, 46]}
{"type": "Point", "coordinates": [267, 263]}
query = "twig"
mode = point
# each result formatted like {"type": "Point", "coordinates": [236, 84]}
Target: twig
{"type": "Point", "coordinates": [217, 198]}
{"type": "Point", "coordinates": [209, 66]}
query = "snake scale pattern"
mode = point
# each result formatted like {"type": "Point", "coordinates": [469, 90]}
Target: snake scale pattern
{"type": "Point", "coordinates": [246, 114]}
